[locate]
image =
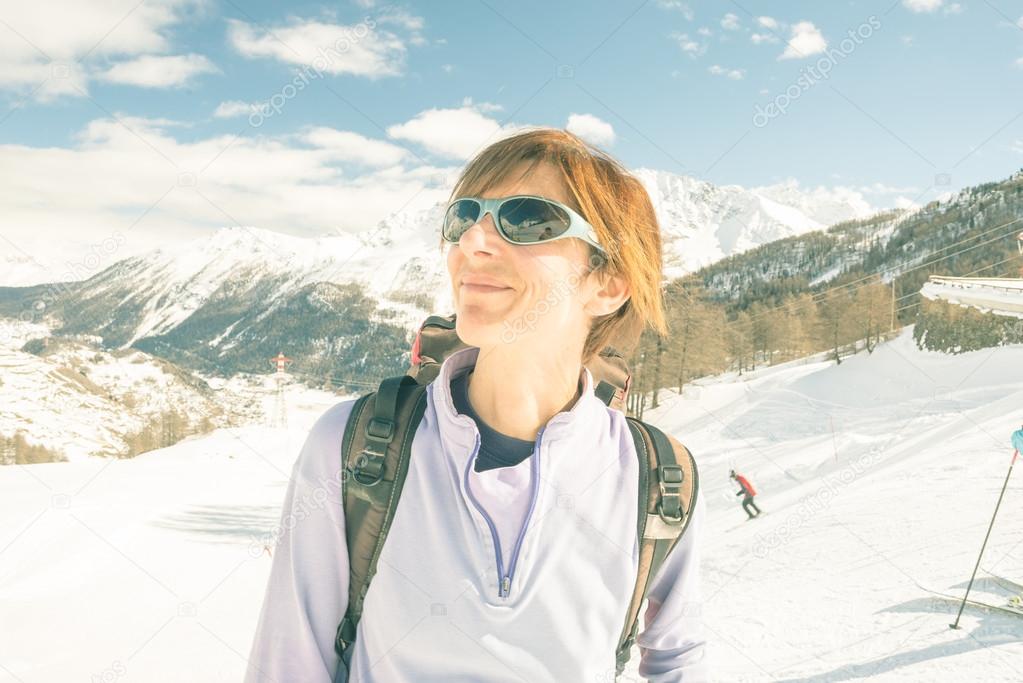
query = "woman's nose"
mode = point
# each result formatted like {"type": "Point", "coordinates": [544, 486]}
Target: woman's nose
{"type": "Point", "coordinates": [481, 233]}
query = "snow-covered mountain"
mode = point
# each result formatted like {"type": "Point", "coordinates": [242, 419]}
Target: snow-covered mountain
{"type": "Point", "coordinates": [228, 301]}
{"type": "Point", "coordinates": [78, 401]}
{"type": "Point", "coordinates": [17, 269]}
{"type": "Point", "coordinates": [703, 223]}
{"type": "Point", "coordinates": [170, 284]}
{"type": "Point", "coordinates": [401, 256]}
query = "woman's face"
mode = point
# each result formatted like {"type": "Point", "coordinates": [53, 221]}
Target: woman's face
{"type": "Point", "coordinates": [544, 293]}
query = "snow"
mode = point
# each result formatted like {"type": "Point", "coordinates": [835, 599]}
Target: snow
{"type": "Point", "coordinates": [402, 255]}
{"type": "Point", "coordinates": [81, 401]}
{"type": "Point", "coordinates": [878, 477]}
{"type": "Point", "coordinates": [58, 408]}
{"type": "Point", "coordinates": [824, 205]}
{"type": "Point", "coordinates": [703, 223]}
{"type": "Point", "coordinates": [189, 273]}
{"type": "Point", "coordinates": [1002, 296]}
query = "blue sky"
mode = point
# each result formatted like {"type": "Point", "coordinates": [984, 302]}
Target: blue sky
{"type": "Point", "coordinates": [111, 113]}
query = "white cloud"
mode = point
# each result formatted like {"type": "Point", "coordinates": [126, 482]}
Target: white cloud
{"type": "Point", "coordinates": [159, 71]}
{"type": "Point", "coordinates": [881, 188]}
{"type": "Point", "coordinates": [52, 49]}
{"type": "Point", "coordinates": [56, 199]}
{"type": "Point", "coordinates": [453, 133]}
{"type": "Point", "coordinates": [408, 22]}
{"type": "Point", "coordinates": [730, 22]}
{"type": "Point", "coordinates": [447, 68]}
{"type": "Point", "coordinates": [734, 74]}
{"type": "Point", "coordinates": [485, 107]}
{"type": "Point", "coordinates": [343, 145]}
{"type": "Point", "coordinates": [922, 5]}
{"type": "Point", "coordinates": [771, 28]}
{"type": "Point", "coordinates": [907, 40]}
{"type": "Point", "coordinates": [400, 18]}
{"type": "Point", "coordinates": [806, 40]}
{"type": "Point", "coordinates": [905, 203]}
{"type": "Point", "coordinates": [927, 6]}
{"type": "Point", "coordinates": [590, 128]}
{"type": "Point", "coordinates": [330, 48]}
{"type": "Point", "coordinates": [682, 7]}
{"type": "Point", "coordinates": [691, 47]}
{"type": "Point", "coordinates": [1017, 146]}
{"type": "Point", "coordinates": [233, 108]}
{"type": "Point", "coordinates": [1019, 63]}
{"type": "Point", "coordinates": [704, 31]}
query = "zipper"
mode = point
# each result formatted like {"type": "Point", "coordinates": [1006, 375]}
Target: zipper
{"type": "Point", "coordinates": [504, 580]}
{"type": "Point", "coordinates": [490, 523]}
{"type": "Point", "coordinates": [534, 487]}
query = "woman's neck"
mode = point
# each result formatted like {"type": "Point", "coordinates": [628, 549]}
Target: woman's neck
{"type": "Point", "coordinates": [518, 403]}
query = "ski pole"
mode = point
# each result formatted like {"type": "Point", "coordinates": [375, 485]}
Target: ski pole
{"type": "Point", "coordinates": [984, 544]}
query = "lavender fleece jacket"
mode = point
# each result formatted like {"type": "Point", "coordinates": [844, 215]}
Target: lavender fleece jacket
{"type": "Point", "coordinates": [520, 573]}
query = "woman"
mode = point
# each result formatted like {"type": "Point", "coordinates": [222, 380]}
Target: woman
{"type": "Point", "coordinates": [512, 437]}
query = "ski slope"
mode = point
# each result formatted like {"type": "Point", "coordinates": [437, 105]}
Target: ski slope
{"type": "Point", "coordinates": [878, 476]}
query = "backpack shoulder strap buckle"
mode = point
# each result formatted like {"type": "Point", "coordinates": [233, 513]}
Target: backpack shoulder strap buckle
{"type": "Point", "coordinates": [380, 429]}
{"type": "Point", "coordinates": [369, 468]}
{"type": "Point", "coordinates": [669, 507]}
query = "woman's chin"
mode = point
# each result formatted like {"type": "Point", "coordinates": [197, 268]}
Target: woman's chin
{"type": "Point", "coordinates": [477, 327]}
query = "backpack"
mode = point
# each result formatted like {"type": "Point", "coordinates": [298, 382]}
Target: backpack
{"type": "Point", "coordinates": [376, 462]}
{"type": "Point", "coordinates": [746, 486]}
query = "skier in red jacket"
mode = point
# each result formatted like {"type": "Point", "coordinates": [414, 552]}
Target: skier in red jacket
{"type": "Point", "coordinates": [747, 492]}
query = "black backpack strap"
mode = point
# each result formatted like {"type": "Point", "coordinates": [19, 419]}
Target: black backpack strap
{"type": "Point", "coordinates": [375, 455]}
{"type": "Point", "coordinates": [668, 483]}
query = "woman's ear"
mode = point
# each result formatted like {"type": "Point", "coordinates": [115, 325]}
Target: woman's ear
{"type": "Point", "coordinates": [610, 293]}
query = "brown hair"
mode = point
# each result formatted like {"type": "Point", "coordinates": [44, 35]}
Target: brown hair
{"type": "Point", "coordinates": [613, 201]}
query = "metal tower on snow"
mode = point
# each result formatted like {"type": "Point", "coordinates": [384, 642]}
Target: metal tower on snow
{"type": "Point", "coordinates": [279, 417]}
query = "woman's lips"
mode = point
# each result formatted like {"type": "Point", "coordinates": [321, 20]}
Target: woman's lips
{"type": "Point", "coordinates": [482, 289]}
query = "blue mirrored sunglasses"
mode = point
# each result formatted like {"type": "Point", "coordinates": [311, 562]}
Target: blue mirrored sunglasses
{"type": "Point", "coordinates": [520, 219]}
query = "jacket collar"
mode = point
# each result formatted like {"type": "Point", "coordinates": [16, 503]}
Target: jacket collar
{"type": "Point", "coordinates": [460, 430]}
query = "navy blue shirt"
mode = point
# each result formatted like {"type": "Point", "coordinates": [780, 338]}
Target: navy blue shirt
{"type": "Point", "coordinates": [496, 449]}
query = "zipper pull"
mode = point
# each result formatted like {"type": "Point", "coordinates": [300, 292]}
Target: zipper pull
{"type": "Point", "coordinates": [506, 585]}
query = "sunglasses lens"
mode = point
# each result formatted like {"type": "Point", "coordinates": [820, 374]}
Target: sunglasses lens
{"type": "Point", "coordinates": [528, 220]}
{"type": "Point", "coordinates": [460, 216]}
